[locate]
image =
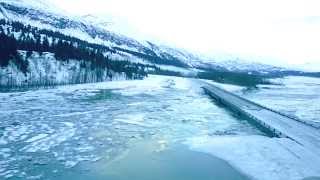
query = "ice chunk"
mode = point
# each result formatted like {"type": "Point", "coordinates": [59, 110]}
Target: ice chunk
{"type": "Point", "coordinates": [135, 119]}
{"type": "Point", "coordinates": [36, 138]}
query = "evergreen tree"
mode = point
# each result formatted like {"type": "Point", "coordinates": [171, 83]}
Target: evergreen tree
{"type": "Point", "coordinates": [64, 48]}
{"type": "Point", "coordinates": [8, 49]}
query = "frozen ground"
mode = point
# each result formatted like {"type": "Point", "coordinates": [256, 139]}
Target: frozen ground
{"type": "Point", "coordinates": [294, 95]}
{"type": "Point", "coordinates": [48, 132]}
{"type": "Point", "coordinates": [297, 96]}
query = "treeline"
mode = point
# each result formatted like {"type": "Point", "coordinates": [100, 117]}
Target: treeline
{"type": "Point", "coordinates": [236, 78]}
{"type": "Point", "coordinates": [16, 36]}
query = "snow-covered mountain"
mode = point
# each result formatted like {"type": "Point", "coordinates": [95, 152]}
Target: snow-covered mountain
{"type": "Point", "coordinates": [39, 14]}
{"type": "Point", "coordinates": [93, 29]}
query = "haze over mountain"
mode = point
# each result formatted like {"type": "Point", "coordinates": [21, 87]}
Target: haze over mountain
{"type": "Point", "coordinates": [270, 32]}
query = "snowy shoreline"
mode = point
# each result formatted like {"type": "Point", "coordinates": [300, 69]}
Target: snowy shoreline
{"type": "Point", "coordinates": [261, 157]}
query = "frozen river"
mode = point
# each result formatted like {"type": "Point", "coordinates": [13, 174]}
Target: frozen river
{"type": "Point", "coordinates": [56, 133]}
{"type": "Point", "coordinates": [158, 128]}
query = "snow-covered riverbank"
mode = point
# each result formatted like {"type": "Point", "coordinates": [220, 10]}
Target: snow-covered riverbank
{"type": "Point", "coordinates": [261, 157]}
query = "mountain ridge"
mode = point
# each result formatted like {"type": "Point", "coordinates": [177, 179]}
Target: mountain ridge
{"type": "Point", "coordinates": [166, 60]}
{"type": "Point", "coordinates": [89, 32]}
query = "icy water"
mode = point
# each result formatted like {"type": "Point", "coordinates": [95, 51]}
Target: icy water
{"type": "Point", "coordinates": [114, 130]}
{"type": "Point", "coordinates": [142, 162]}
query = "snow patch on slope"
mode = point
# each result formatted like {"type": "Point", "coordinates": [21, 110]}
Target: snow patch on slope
{"type": "Point", "coordinates": [3, 13]}
{"type": "Point", "coordinates": [35, 4]}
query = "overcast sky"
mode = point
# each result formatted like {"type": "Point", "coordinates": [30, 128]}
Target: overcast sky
{"type": "Point", "coordinates": [278, 30]}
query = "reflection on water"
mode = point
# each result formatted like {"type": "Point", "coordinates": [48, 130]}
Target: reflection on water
{"type": "Point", "coordinates": [147, 160]}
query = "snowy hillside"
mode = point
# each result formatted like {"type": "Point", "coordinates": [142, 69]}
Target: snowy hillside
{"type": "Point", "coordinates": [94, 29]}
{"type": "Point", "coordinates": [52, 30]}
{"type": "Point", "coordinates": [46, 70]}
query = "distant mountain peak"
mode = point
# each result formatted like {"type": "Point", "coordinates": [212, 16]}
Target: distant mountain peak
{"type": "Point", "coordinates": [97, 21]}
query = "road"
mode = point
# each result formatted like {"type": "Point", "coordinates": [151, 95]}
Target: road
{"type": "Point", "coordinates": [276, 122]}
